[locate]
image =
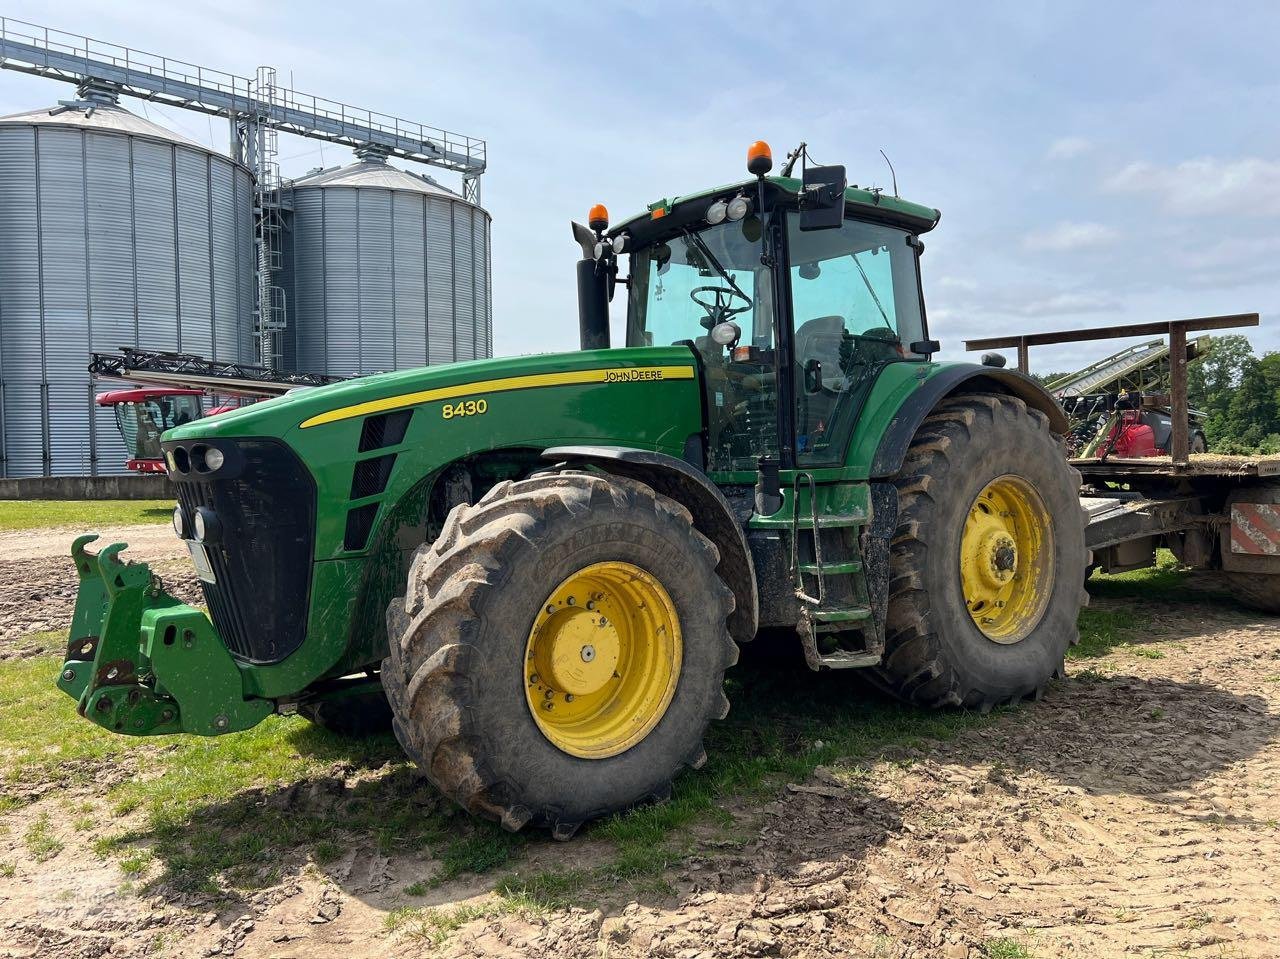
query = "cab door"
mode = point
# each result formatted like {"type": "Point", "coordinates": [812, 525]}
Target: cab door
{"type": "Point", "coordinates": [855, 307]}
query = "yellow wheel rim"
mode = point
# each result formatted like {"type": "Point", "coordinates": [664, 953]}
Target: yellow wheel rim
{"type": "Point", "coordinates": [602, 660]}
{"type": "Point", "coordinates": [1006, 559]}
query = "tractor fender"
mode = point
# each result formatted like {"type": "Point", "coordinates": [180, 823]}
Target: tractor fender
{"type": "Point", "coordinates": [712, 515]}
{"type": "Point", "coordinates": [960, 378]}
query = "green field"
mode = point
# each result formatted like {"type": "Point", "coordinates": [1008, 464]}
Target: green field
{"type": "Point", "coordinates": [36, 513]}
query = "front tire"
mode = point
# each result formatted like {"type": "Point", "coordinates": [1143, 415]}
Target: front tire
{"type": "Point", "coordinates": [490, 614]}
{"type": "Point", "coordinates": [988, 561]}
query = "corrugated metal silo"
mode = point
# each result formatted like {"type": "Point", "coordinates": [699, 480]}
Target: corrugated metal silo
{"type": "Point", "coordinates": [389, 270]}
{"type": "Point", "coordinates": [113, 232]}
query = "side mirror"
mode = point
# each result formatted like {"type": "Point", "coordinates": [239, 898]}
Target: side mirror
{"type": "Point", "coordinates": [812, 375]}
{"type": "Point", "coordinates": [822, 198]}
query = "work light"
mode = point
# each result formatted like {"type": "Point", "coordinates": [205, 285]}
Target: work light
{"type": "Point", "coordinates": [739, 207]}
{"type": "Point", "coordinates": [716, 212]}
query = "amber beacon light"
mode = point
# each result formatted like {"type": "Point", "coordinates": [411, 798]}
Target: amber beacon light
{"type": "Point", "coordinates": [759, 158]}
{"type": "Point", "coordinates": [598, 218]}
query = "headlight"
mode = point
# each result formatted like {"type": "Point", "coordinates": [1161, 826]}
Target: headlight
{"type": "Point", "coordinates": [726, 333]}
{"type": "Point", "coordinates": [213, 459]}
{"type": "Point", "coordinates": [716, 212]}
{"type": "Point", "coordinates": [738, 207]}
{"type": "Point", "coordinates": [180, 522]}
{"type": "Point", "coordinates": [620, 243]}
{"type": "Point", "coordinates": [206, 525]}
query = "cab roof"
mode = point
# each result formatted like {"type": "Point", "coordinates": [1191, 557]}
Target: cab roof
{"type": "Point", "coordinates": [913, 216]}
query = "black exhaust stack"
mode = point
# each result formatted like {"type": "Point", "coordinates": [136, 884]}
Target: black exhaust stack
{"type": "Point", "coordinates": [594, 280]}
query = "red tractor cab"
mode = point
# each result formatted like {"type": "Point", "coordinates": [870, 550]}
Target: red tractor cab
{"type": "Point", "coordinates": [143, 414]}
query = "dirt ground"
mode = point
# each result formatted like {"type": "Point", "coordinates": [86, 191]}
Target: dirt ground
{"type": "Point", "coordinates": [1134, 811]}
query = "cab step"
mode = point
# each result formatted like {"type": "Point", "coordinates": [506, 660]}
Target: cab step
{"type": "Point", "coordinates": [847, 566]}
{"type": "Point", "coordinates": [839, 616]}
{"type": "Point", "coordinates": [849, 659]}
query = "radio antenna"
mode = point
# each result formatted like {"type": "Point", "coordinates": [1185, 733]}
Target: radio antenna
{"type": "Point", "coordinates": [892, 175]}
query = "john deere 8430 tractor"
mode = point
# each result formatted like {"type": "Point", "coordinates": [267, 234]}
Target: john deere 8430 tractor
{"type": "Point", "coordinates": [538, 569]}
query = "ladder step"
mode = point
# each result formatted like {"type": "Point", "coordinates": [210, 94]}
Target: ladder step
{"type": "Point", "coordinates": [848, 566]}
{"type": "Point", "coordinates": [849, 660]}
{"type": "Point", "coordinates": [848, 614]}
{"type": "Point", "coordinates": [832, 522]}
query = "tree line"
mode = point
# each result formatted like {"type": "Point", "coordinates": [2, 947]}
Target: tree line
{"type": "Point", "coordinates": [1239, 393]}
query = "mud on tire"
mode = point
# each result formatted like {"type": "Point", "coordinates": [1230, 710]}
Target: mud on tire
{"type": "Point", "coordinates": [456, 678]}
{"type": "Point", "coordinates": [935, 655]}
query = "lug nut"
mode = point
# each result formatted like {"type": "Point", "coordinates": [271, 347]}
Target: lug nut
{"type": "Point", "coordinates": [549, 694]}
{"type": "Point", "coordinates": [568, 697]}
{"type": "Point", "coordinates": [591, 604]}
{"type": "Point", "coordinates": [571, 601]}
{"type": "Point", "coordinates": [221, 722]}
{"type": "Point", "coordinates": [550, 610]}
{"type": "Point", "coordinates": [533, 680]}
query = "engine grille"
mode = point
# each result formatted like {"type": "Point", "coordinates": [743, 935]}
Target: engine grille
{"type": "Point", "coordinates": [264, 500]}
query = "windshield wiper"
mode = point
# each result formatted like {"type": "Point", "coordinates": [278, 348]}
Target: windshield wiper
{"type": "Point", "coordinates": [870, 289]}
{"type": "Point", "coordinates": [711, 257]}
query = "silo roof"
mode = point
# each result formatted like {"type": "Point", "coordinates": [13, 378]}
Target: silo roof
{"type": "Point", "coordinates": [103, 117]}
{"type": "Point", "coordinates": [375, 174]}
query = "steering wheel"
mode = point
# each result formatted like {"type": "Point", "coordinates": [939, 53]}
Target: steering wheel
{"type": "Point", "coordinates": [720, 308]}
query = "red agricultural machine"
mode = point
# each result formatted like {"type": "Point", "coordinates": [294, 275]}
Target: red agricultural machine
{"type": "Point", "coordinates": [173, 388]}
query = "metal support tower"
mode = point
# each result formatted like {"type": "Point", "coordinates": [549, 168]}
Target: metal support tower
{"type": "Point", "coordinates": [258, 109]}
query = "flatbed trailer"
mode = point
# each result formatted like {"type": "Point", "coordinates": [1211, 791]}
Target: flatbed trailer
{"type": "Point", "coordinates": [1215, 512]}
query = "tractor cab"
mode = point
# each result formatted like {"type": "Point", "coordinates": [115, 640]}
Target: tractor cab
{"type": "Point", "coordinates": [793, 295]}
{"type": "Point", "coordinates": [143, 414]}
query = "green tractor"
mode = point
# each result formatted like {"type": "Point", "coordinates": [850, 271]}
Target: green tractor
{"type": "Point", "coordinates": [538, 569]}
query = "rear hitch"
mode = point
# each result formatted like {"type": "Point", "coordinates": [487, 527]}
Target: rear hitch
{"type": "Point", "coordinates": [143, 663]}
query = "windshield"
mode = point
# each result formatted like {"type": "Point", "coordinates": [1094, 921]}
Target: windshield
{"type": "Point", "coordinates": [682, 288]}
{"type": "Point", "coordinates": [141, 423]}
{"type": "Point", "coordinates": [680, 291]}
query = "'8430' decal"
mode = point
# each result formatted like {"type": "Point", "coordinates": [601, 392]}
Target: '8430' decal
{"type": "Point", "coordinates": [465, 408]}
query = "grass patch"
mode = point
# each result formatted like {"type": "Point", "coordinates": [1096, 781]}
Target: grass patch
{"type": "Point", "coordinates": [435, 925]}
{"type": "Point", "coordinates": [7, 870]}
{"type": "Point", "coordinates": [1005, 948]}
{"type": "Point", "coordinates": [40, 840]}
{"type": "Point", "coordinates": [1102, 630]}
{"type": "Point", "coordinates": [35, 513]}
{"type": "Point", "coordinates": [484, 850]}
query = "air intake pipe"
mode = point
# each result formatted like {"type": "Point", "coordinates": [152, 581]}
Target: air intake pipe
{"type": "Point", "coordinates": [594, 279]}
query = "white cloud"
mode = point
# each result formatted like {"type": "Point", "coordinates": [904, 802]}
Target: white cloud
{"type": "Point", "coordinates": [1066, 237]}
{"type": "Point", "coordinates": [1065, 304]}
{"type": "Point", "coordinates": [1068, 148]}
{"type": "Point", "coordinates": [1248, 186]}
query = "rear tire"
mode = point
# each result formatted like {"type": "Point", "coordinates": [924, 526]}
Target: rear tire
{"type": "Point", "coordinates": [458, 672]}
{"type": "Point", "coordinates": [935, 653]}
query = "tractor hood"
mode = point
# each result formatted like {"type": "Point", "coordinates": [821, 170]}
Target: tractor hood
{"type": "Point", "coordinates": [308, 408]}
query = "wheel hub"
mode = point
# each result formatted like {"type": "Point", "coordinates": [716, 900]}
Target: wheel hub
{"type": "Point", "coordinates": [602, 660]}
{"type": "Point", "coordinates": [1006, 559]}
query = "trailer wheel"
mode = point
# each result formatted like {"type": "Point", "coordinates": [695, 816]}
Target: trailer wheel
{"type": "Point", "coordinates": [988, 562]}
{"type": "Point", "coordinates": [560, 650]}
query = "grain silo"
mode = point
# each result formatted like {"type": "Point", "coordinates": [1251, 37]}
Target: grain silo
{"type": "Point", "coordinates": [388, 270]}
{"type": "Point", "coordinates": [113, 232]}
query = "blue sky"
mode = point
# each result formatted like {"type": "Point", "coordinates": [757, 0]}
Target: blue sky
{"type": "Point", "coordinates": [1095, 163]}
